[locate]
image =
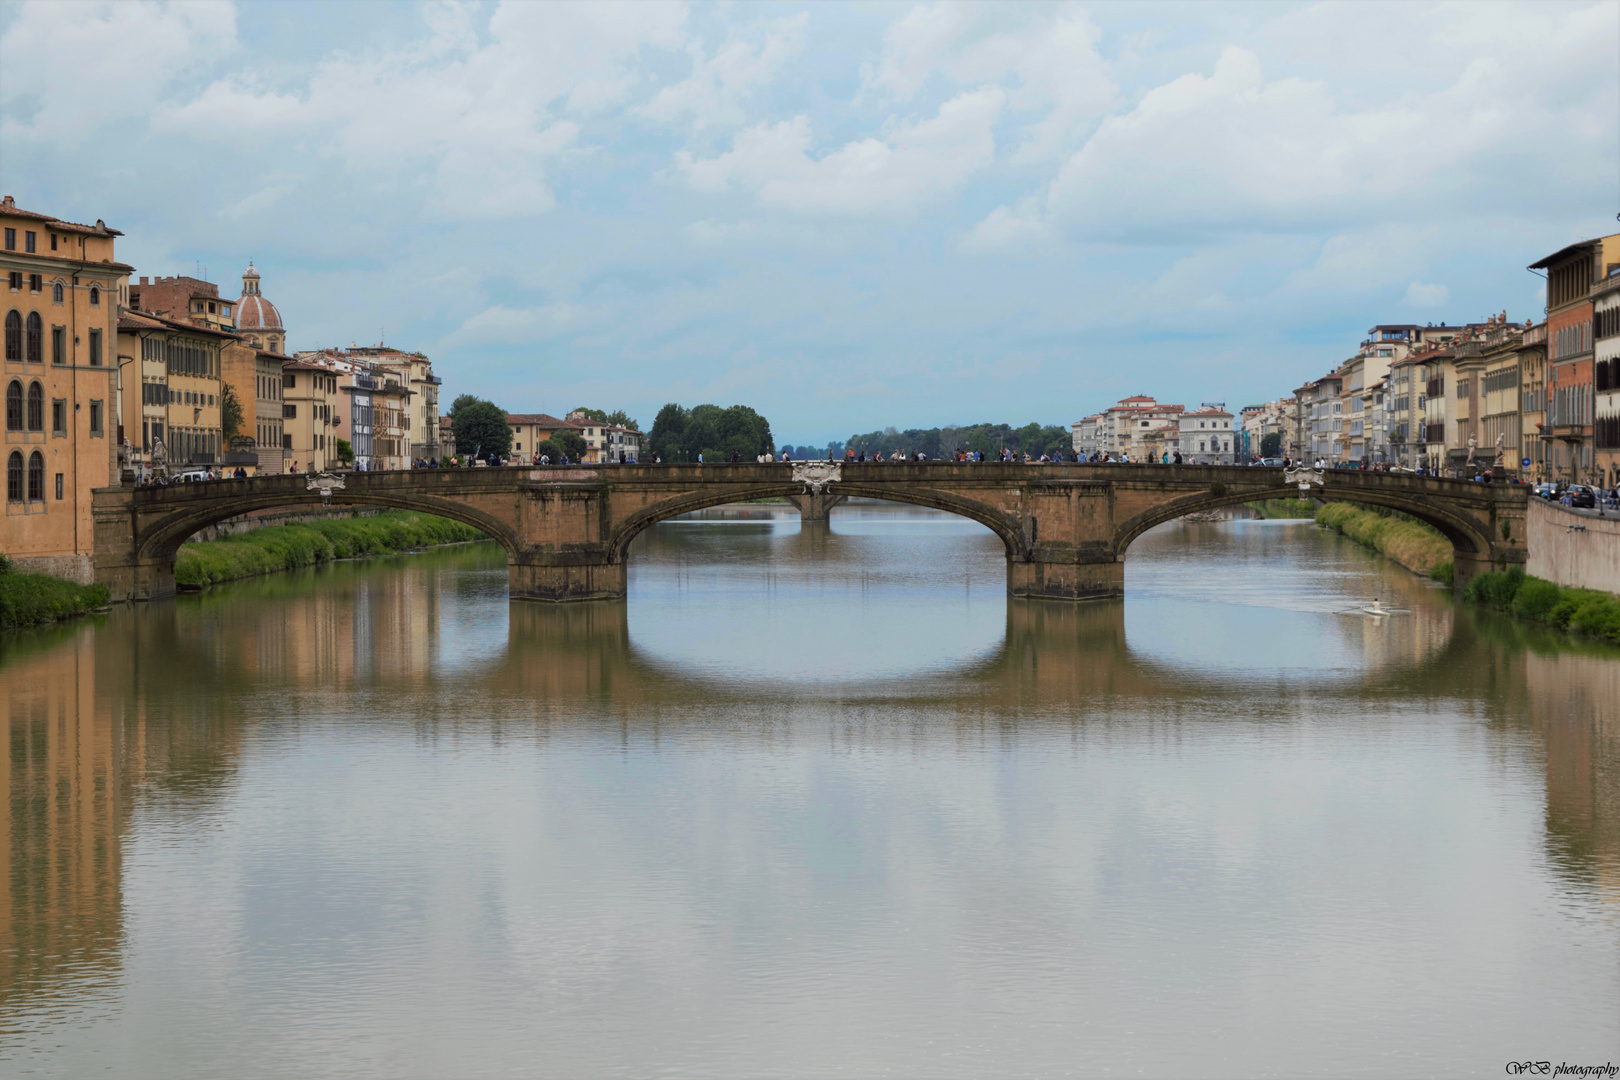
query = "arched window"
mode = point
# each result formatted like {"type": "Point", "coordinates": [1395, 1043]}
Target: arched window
{"type": "Point", "coordinates": [13, 337]}
{"type": "Point", "coordinates": [56, 292]}
{"type": "Point", "coordinates": [36, 338]}
{"type": "Point", "coordinates": [36, 407]}
{"type": "Point", "coordinates": [14, 477]}
{"type": "Point", "coordinates": [14, 406]}
{"type": "Point", "coordinates": [36, 477]}
{"type": "Point", "coordinates": [95, 296]}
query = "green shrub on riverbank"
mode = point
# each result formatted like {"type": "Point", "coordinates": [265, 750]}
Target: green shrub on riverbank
{"type": "Point", "coordinates": [1285, 508]}
{"type": "Point", "coordinates": [31, 599]}
{"type": "Point", "coordinates": [287, 547]}
{"type": "Point", "coordinates": [1580, 611]}
{"type": "Point", "coordinates": [1416, 546]}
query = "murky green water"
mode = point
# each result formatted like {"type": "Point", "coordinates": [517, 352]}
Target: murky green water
{"type": "Point", "coordinates": [813, 802]}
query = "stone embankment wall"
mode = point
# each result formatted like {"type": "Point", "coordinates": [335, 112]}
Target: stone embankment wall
{"type": "Point", "coordinates": [79, 569]}
{"type": "Point", "coordinates": [1578, 550]}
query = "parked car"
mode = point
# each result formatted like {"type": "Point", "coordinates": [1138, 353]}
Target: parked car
{"type": "Point", "coordinates": [1582, 496]}
{"type": "Point", "coordinates": [191, 476]}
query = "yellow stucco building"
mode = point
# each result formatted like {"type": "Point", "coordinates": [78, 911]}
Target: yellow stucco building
{"type": "Point", "coordinates": [64, 291]}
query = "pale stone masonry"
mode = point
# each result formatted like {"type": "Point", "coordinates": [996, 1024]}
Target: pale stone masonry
{"type": "Point", "coordinates": [1207, 437]}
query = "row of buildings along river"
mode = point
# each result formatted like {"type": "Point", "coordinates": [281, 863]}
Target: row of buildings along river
{"type": "Point", "coordinates": [1538, 400]}
{"type": "Point", "coordinates": [112, 377]}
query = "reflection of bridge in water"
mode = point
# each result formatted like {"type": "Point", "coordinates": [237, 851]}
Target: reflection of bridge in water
{"type": "Point", "coordinates": [567, 531]}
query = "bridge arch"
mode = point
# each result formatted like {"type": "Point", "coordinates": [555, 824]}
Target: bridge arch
{"type": "Point", "coordinates": [994, 520]}
{"type": "Point", "coordinates": [1466, 540]}
{"type": "Point", "coordinates": [161, 541]}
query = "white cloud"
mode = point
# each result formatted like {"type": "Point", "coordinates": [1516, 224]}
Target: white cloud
{"type": "Point", "coordinates": [911, 165]}
{"type": "Point", "coordinates": [1419, 294]}
{"type": "Point", "coordinates": [74, 67]}
{"type": "Point", "coordinates": [1010, 229]}
{"type": "Point", "coordinates": [1210, 155]}
{"type": "Point", "coordinates": [719, 85]}
{"type": "Point", "coordinates": [1046, 57]}
{"type": "Point", "coordinates": [488, 120]}
{"type": "Point", "coordinates": [501, 325]}
{"type": "Point", "coordinates": [262, 199]}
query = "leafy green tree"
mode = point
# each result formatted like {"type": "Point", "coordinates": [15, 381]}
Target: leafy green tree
{"type": "Point", "coordinates": [681, 434]}
{"type": "Point", "coordinates": [942, 442]}
{"type": "Point", "coordinates": [595, 414]}
{"type": "Point", "coordinates": [570, 442]}
{"type": "Point", "coordinates": [345, 451]}
{"type": "Point", "coordinates": [1271, 444]}
{"type": "Point", "coordinates": [480, 428]}
{"type": "Point", "coordinates": [463, 399]}
{"type": "Point", "coordinates": [667, 438]}
{"type": "Point", "coordinates": [230, 413]}
{"type": "Point", "coordinates": [549, 450]}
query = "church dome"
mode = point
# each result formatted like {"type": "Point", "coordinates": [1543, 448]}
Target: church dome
{"type": "Point", "coordinates": [253, 311]}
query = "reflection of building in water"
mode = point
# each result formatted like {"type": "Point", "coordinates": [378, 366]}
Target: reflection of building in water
{"type": "Point", "coordinates": [1575, 703]}
{"type": "Point", "coordinates": [61, 823]}
{"type": "Point", "coordinates": [95, 718]}
{"type": "Point", "coordinates": [334, 626]}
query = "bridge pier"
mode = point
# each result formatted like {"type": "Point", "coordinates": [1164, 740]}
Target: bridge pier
{"type": "Point", "coordinates": [529, 580]}
{"type": "Point", "coordinates": [816, 505]}
{"type": "Point", "coordinates": [135, 579]}
{"type": "Point", "coordinates": [1067, 580]}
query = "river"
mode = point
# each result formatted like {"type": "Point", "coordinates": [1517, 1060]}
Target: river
{"type": "Point", "coordinates": [814, 801]}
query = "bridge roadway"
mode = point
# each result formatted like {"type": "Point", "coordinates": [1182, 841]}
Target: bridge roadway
{"type": "Point", "coordinates": [567, 530]}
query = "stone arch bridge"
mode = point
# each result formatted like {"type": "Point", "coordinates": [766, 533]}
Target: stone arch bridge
{"type": "Point", "coordinates": [567, 530]}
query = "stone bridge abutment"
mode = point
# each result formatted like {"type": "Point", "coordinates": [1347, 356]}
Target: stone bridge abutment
{"type": "Point", "coordinates": [567, 530]}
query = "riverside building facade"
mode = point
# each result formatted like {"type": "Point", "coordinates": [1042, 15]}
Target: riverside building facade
{"type": "Point", "coordinates": [177, 399]}
{"type": "Point", "coordinates": [64, 291]}
{"type": "Point", "coordinates": [1572, 273]}
{"type": "Point", "coordinates": [1206, 436]}
{"type": "Point", "coordinates": [1606, 378]}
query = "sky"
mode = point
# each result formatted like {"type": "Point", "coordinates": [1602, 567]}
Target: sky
{"type": "Point", "coordinates": [847, 217]}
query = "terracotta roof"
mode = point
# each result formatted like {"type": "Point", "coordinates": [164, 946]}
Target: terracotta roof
{"type": "Point", "coordinates": [8, 206]}
{"type": "Point", "coordinates": [130, 320]}
{"type": "Point", "coordinates": [1563, 253]}
{"type": "Point", "coordinates": [156, 321]}
{"type": "Point", "coordinates": [544, 420]}
{"type": "Point", "coordinates": [254, 312]}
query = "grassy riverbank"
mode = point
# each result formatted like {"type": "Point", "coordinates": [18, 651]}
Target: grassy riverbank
{"type": "Point", "coordinates": [1583, 612]}
{"type": "Point", "coordinates": [287, 547]}
{"type": "Point", "coordinates": [1416, 546]}
{"type": "Point", "coordinates": [1284, 508]}
{"type": "Point", "coordinates": [32, 599]}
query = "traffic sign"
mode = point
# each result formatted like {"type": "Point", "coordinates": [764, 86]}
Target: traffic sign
{"type": "Point", "coordinates": [1525, 463]}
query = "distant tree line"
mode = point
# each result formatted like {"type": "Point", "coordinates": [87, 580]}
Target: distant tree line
{"type": "Point", "coordinates": [943, 442]}
{"type": "Point", "coordinates": [481, 431]}
{"type": "Point", "coordinates": [681, 434]}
